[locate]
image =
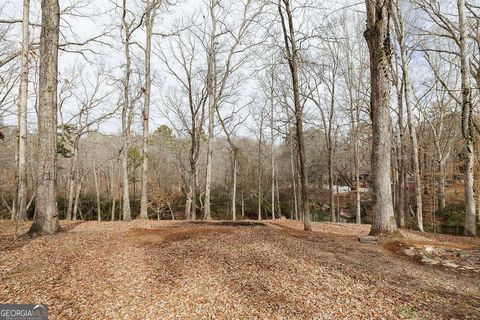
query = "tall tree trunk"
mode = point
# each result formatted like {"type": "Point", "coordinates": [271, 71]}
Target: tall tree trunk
{"type": "Point", "coordinates": [272, 144]}
{"type": "Point", "coordinates": [441, 185]}
{"type": "Point", "coordinates": [467, 113]}
{"type": "Point", "coordinates": [193, 187]}
{"type": "Point", "coordinates": [45, 219]}
{"type": "Point", "coordinates": [278, 198]}
{"type": "Point", "coordinates": [188, 202]}
{"type": "Point", "coordinates": [234, 188]}
{"type": "Point", "coordinates": [77, 199]}
{"type": "Point", "coordinates": [401, 163]}
{"type": "Point", "coordinates": [97, 193]}
{"type": "Point", "coordinates": [112, 188]}
{"type": "Point", "coordinates": [377, 36]}
{"type": "Point", "coordinates": [397, 16]}
{"type": "Point", "coordinates": [126, 112]}
{"type": "Point", "coordinates": [259, 165]}
{"type": "Point", "coordinates": [22, 118]}
{"type": "Point", "coordinates": [113, 210]}
{"type": "Point", "coordinates": [355, 119]}
{"type": "Point", "coordinates": [211, 107]}
{"type": "Point", "coordinates": [149, 20]}
{"type": "Point", "coordinates": [126, 215]}
{"type": "Point", "coordinates": [72, 182]}
{"type": "Point", "coordinates": [292, 56]}
{"type": "Point", "coordinates": [330, 183]}
{"type": "Point", "coordinates": [272, 163]}
{"type": "Point", "coordinates": [243, 206]}
{"type": "Point", "coordinates": [294, 183]}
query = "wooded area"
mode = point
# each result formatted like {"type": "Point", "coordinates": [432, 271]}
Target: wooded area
{"type": "Point", "coordinates": [310, 98]}
{"type": "Point", "coordinates": [282, 111]}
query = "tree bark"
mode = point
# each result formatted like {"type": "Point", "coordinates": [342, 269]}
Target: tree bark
{"type": "Point", "coordinates": [401, 163]}
{"type": "Point", "coordinates": [377, 37]}
{"type": "Point", "coordinates": [278, 198]}
{"type": "Point", "coordinates": [126, 114]}
{"type": "Point", "coordinates": [211, 106]}
{"type": "Point", "coordinates": [294, 183]}
{"type": "Point", "coordinates": [72, 182]}
{"type": "Point", "coordinates": [272, 150]}
{"type": "Point", "coordinates": [397, 17]}
{"type": "Point", "coordinates": [45, 220]}
{"type": "Point", "coordinates": [188, 203]}
{"type": "Point", "coordinates": [330, 184]}
{"type": "Point", "coordinates": [243, 206]}
{"type": "Point", "coordinates": [22, 118]}
{"type": "Point", "coordinates": [259, 165]}
{"type": "Point", "coordinates": [292, 57]}
{"type": "Point", "coordinates": [467, 114]}
{"type": "Point", "coordinates": [149, 21]}
{"type": "Point", "coordinates": [112, 189]}
{"type": "Point", "coordinates": [441, 185]}
{"type": "Point", "coordinates": [77, 199]}
{"type": "Point", "coordinates": [97, 193]}
{"type": "Point", "coordinates": [234, 188]}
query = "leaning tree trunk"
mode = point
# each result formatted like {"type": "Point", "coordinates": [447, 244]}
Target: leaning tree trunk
{"type": "Point", "coordinates": [292, 56]}
{"type": "Point", "coordinates": [22, 118]}
{"type": "Point", "coordinates": [377, 37]}
{"type": "Point", "coordinates": [411, 125]}
{"type": "Point", "coordinates": [467, 113]}
{"type": "Point", "coordinates": [45, 220]}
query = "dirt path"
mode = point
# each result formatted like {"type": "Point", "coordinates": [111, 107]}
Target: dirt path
{"type": "Point", "coordinates": [180, 270]}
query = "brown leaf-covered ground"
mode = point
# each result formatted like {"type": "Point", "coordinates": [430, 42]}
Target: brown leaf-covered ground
{"type": "Point", "coordinates": [224, 270]}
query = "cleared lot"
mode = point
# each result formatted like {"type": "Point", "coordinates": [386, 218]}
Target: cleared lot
{"type": "Point", "coordinates": [224, 270]}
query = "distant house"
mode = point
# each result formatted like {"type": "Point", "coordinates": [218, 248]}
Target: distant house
{"type": "Point", "coordinates": [339, 189]}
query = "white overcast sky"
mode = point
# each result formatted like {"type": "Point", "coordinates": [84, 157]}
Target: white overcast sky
{"type": "Point", "coordinates": [103, 16]}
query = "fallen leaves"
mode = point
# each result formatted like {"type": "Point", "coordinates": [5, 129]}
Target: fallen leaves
{"type": "Point", "coordinates": [181, 270]}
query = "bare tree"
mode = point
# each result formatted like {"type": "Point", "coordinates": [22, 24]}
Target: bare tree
{"type": "Point", "coordinates": [440, 112]}
{"type": "Point", "coordinates": [45, 219]}
{"type": "Point", "coordinates": [230, 124]}
{"type": "Point", "coordinates": [406, 84]}
{"type": "Point", "coordinates": [130, 23]}
{"type": "Point", "coordinates": [291, 54]}
{"type": "Point", "coordinates": [467, 125]}
{"type": "Point", "coordinates": [354, 67]}
{"type": "Point", "coordinates": [184, 51]}
{"type": "Point", "coordinates": [377, 35]}
{"type": "Point", "coordinates": [151, 9]}
{"type": "Point", "coordinates": [22, 117]}
{"type": "Point", "coordinates": [220, 71]}
{"type": "Point", "coordinates": [444, 28]}
{"type": "Point", "coordinates": [91, 97]}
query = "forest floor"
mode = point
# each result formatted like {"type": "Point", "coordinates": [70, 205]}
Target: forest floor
{"type": "Point", "coordinates": [243, 270]}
